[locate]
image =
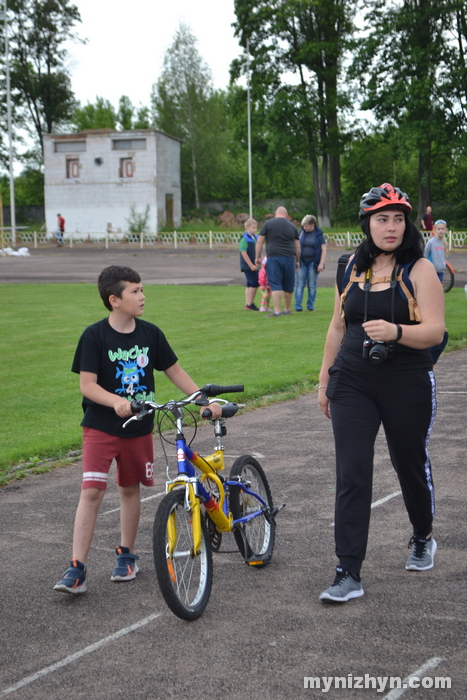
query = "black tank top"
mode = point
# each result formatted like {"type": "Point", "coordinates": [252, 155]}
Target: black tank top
{"type": "Point", "coordinates": [350, 355]}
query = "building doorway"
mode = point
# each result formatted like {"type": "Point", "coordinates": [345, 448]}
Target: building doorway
{"type": "Point", "coordinates": [169, 210]}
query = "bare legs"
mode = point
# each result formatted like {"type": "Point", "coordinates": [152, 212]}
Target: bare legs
{"type": "Point", "coordinates": [277, 297]}
{"type": "Point", "coordinates": [86, 516]}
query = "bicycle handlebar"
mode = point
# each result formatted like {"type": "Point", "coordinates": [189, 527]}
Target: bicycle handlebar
{"type": "Point", "coordinates": [216, 389]}
{"type": "Point", "coordinates": [199, 397]}
{"type": "Point", "coordinates": [228, 410]}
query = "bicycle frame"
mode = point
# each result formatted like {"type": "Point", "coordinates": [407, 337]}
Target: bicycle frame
{"type": "Point", "coordinates": [195, 493]}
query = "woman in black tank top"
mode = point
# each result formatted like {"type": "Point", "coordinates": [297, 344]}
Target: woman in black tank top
{"type": "Point", "coordinates": [377, 370]}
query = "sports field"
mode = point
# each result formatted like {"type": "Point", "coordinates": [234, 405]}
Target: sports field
{"type": "Point", "coordinates": [264, 633]}
{"type": "Point", "coordinates": [215, 339]}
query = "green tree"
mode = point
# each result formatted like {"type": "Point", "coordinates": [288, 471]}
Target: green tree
{"type": "Point", "coordinates": [277, 146]}
{"type": "Point", "coordinates": [308, 39]}
{"type": "Point", "coordinates": [29, 187]}
{"type": "Point", "coordinates": [100, 115]}
{"type": "Point", "coordinates": [125, 113]}
{"type": "Point", "coordinates": [406, 67]}
{"type": "Point", "coordinates": [143, 118]}
{"type": "Point", "coordinates": [185, 104]}
{"type": "Point", "coordinates": [40, 83]}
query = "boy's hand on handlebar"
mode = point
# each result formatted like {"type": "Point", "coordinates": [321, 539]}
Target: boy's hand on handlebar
{"type": "Point", "coordinates": [122, 408]}
{"type": "Point", "coordinates": [215, 408]}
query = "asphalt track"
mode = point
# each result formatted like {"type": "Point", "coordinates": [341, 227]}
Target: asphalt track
{"type": "Point", "coordinates": [189, 264]}
{"type": "Point", "coordinates": [264, 631]}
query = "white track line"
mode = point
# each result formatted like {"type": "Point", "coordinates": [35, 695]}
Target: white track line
{"type": "Point", "coordinates": [451, 392]}
{"type": "Point", "coordinates": [396, 693]}
{"type": "Point", "coordinates": [149, 498]}
{"type": "Point", "coordinates": [381, 501]}
{"type": "Point", "coordinates": [77, 655]}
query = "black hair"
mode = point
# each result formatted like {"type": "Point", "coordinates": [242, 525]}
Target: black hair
{"type": "Point", "coordinates": [411, 248]}
{"type": "Point", "coordinates": [112, 281]}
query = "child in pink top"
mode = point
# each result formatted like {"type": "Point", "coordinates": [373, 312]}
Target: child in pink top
{"type": "Point", "coordinates": [264, 286]}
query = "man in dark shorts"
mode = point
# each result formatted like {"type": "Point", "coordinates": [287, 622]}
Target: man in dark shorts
{"type": "Point", "coordinates": [283, 253]}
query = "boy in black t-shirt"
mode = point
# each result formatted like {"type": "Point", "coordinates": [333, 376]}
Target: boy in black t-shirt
{"type": "Point", "coordinates": [116, 358]}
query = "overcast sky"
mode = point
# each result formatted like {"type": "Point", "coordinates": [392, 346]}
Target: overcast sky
{"type": "Point", "coordinates": [127, 42]}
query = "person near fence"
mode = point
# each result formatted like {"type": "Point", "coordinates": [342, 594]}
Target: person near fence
{"type": "Point", "coordinates": [60, 231]}
{"type": "Point", "coordinates": [116, 359]}
{"type": "Point", "coordinates": [377, 369]}
{"type": "Point", "coordinates": [427, 219]}
{"type": "Point", "coordinates": [312, 259]}
{"type": "Point", "coordinates": [283, 253]}
{"type": "Point", "coordinates": [435, 249]}
{"type": "Point", "coordinates": [247, 246]}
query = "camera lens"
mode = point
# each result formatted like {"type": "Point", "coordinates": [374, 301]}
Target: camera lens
{"type": "Point", "coordinates": [378, 354]}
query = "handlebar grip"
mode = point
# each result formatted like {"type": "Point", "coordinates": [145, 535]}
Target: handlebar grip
{"type": "Point", "coordinates": [228, 410]}
{"type": "Point", "coordinates": [216, 389]}
{"type": "Point", "coordinates": [137, 406]}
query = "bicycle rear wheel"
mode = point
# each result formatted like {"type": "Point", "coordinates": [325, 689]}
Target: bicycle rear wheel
{"type": "Point", "coordinates": [184, 579]}
{"type": "Point", "coordinates": [255, 539]}
{"type": "Point", "coordinates": [448, 278]}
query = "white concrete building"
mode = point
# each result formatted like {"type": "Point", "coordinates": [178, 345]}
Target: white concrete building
{"type": "Point", "coordinates": [94, 177]}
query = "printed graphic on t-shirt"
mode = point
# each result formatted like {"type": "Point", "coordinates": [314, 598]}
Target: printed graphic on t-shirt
{"type": "Point", "coordinates": [129, 369]}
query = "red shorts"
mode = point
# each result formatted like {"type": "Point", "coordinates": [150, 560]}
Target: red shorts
{"type": "Point", "coordinates": [134, 457]}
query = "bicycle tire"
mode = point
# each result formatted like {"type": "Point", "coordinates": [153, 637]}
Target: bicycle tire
{"type": "Point", "coordinates": [258, 533]}
{"type": "Point", "coordinates": [448, 278]}
{"type": "Point", "coordinates": [184, 580]}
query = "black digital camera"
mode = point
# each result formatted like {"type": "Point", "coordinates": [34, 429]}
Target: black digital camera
{"type": "Point", "coordinates": [377, 351]}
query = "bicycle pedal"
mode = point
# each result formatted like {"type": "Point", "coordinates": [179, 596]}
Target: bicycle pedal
{"type": "Point", "coordinates": [254, 562]}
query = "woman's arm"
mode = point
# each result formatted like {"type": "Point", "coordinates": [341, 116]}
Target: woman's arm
{"type": "Point", "coordinates": [331, 348]}
{"type": "Point", "coordinates": [430, 301]}
{"type": "Point", "coordinates": [323, 258]}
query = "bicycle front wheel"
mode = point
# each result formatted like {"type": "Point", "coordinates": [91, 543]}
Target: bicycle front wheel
{"type": "Point", "coordinates": [255, 538]}
{"type": "Point", "coordinates": [448, 278]}
{"type": "Point", "coordinates": [184, 579]}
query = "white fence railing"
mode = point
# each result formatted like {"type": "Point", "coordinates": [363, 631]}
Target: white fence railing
{"type": "Point", "coordinates": [456, 239]}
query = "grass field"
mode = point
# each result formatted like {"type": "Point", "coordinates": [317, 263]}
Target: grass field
{"type": "Point", "coordinates": [215, 340]}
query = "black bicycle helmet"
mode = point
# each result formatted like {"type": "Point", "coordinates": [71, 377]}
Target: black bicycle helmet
{"type": "Point", "coordinates": [383, 197]}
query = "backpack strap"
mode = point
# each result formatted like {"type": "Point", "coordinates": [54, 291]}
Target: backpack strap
{"type": "Point", "coordinates": [341, 270]}
{"type": "Point", "coordinates": [406, 290]}
{"type": "Point", "coordinates": [347, 277]}
{"type": "Point", "coordinates": [350, 279]}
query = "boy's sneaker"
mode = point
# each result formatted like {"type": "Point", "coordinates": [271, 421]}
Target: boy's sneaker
{"type": "Point", "coordinates": [273, 314]}
{"type": "Point", "coordinates": [126, 567]}
{"type": "Point", "coordinates": [423, 553]}
{"type": "Point", "coordinates": [73, 580]}
{"type": "Point", "coordinates": [345, 587]}
{"type": "Point", "coordinates": [253, 307]}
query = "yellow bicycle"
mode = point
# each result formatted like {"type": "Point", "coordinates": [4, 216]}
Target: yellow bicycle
{"type": "Point", "coordinates": [201, 504]}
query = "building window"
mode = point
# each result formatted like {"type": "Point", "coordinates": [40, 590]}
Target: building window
{"type": "Point", "coordinates": [128, 144]}
{"type": "Point", "coordinates": [69, 146]}
{"type": "Point", "coordinates": [72, 168]}
{"type": "Point", "coordinates": [126, 168]}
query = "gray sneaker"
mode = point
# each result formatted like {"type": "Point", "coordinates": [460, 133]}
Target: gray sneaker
{"type": "Point", "coordinates": [345, 587]}
{"type": "Point", "coordinates": [423, 554]}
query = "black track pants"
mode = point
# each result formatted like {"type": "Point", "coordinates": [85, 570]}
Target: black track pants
{"type": "Point", "coordinates": [405, 403]}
